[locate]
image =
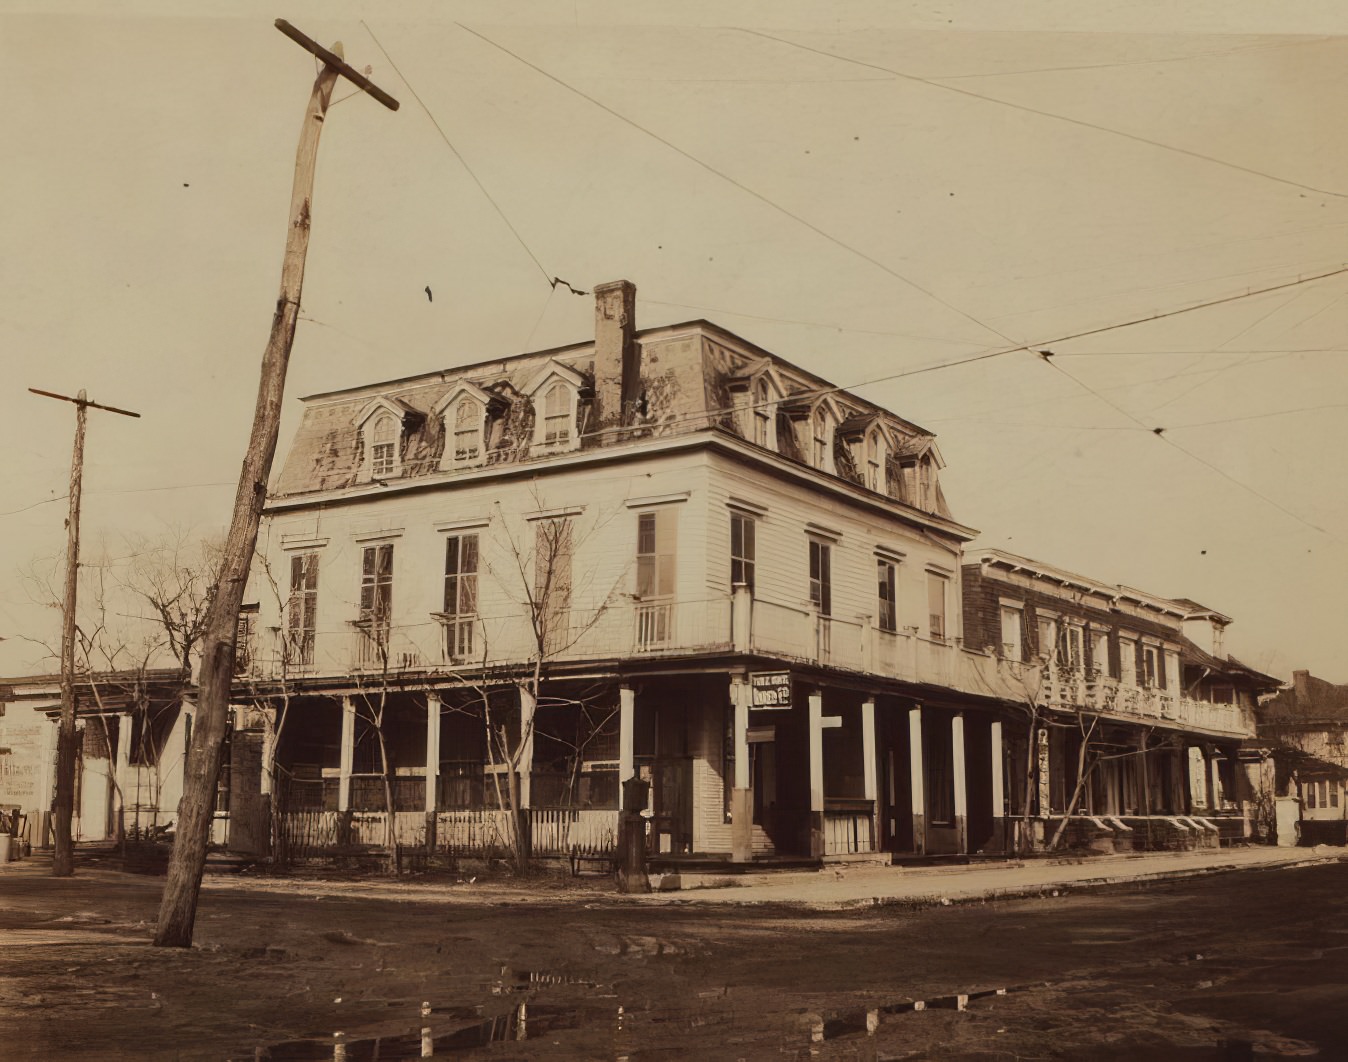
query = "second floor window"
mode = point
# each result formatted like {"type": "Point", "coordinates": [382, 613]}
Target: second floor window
{"type": "Point", "coordinates": [461, 575]}
{"type": "Point", "coordinates": [741, 550]}
{"type": "Point", "coordinates": [1011, 633]}
{"type": "Point", "coordinates": [302, 609]}
{"type": "Point", "coordinates": [384, 446]}
{"type": "Point", "coordinates": [821, 577]}
{"type": "Point", "coordinates": [936, 605]}
{"type": "Point", "coordinates": [376, 585]}
{"type": "Point", "coordinates": [886, 573]}
{"type": "Point", "coordinates": [552, 584]}
{"type": "Point", "coordinates": [1070, 652]}
{"type": "Point", "coordinates": [656, 554]}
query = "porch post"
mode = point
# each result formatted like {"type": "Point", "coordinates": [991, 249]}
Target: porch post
{"type": "Point", "coordinates": [432, 751]}
{"type": "Point", "coordinates": [267, 783]}
{"type": "Point", "coordinates": [347, 753]}
{"type": "Point", "coordinates": [918, 783]}
{"type": "Point", "coordinates": [123, 769]}
{"type": "Point", "coordinates": [627, 704]}
{"type": "Point", "coordinates": [869, 788]}
{"type": "Point", "coordinates": [741, 797]}
{"type": "Point", "coordinates": [816, 738]}
{"type": "Point", "coordinates": [961, 783]}
{"type": "Point", "coordinates": [998, 793]}
{"type": "Point", "coordinates": [528, 705]}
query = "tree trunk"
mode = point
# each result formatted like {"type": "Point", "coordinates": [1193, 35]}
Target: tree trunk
{"type": "Point", "coordinates": [178, 908]}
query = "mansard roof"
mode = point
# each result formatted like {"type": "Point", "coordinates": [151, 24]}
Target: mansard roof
{"type": "Point", "coordinates": [687, 373]}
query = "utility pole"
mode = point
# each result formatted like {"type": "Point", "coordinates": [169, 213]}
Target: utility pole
{"type": "Point", "coordinates": [63, 864]}
{"type": "Point", "coordinates": [178, 907]}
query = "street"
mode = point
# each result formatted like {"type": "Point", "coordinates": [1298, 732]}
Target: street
{"type": "Point", "coordinates": [1216, 967]}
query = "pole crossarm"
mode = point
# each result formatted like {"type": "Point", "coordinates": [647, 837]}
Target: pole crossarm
{"type": "Point", "coordinates": [337, 63]}
{"type": "Point", "coordinates": [83, 402]}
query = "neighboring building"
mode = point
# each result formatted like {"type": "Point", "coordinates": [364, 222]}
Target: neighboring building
{"type": "Point", "coordinates": [1304, 726]}
{"type": "Point", "coordinates": [133, 729]}
{"type": "Point", "coordinates": [670, 554]}
{"type": "Point", "coordinates": [1138, 699]}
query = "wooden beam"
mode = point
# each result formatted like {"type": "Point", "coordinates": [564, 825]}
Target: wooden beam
{"type": "Point", "coordinates": [337, 63]}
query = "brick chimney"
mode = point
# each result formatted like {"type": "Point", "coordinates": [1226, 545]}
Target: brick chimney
{"type": "Point", "coordinates": [1301, 686]}
{"type": "Point", "coordinates": [617, 360]}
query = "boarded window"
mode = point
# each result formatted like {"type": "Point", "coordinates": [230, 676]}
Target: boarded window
{"type": "Point", "coordinates": [552, 583]}
{"type": "Point", "coordinates": [1012, 647]}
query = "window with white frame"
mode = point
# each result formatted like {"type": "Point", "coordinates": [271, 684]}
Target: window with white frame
{"type": "Point", "coordinates": [1128, 665]}
{"type": "Point", "coordinates": [887, 601]}
{"type": "Point", "coordinates": [874, 471]}
{"type": "Point", "coordinates": [743, 532]}
{"type": "Point", "coordinates": [657, 561]}
{"type": "Point", "coordinates": [936, 605]}
{"type": "Point", "coordinates": [1099, 651]}
{"type": "Point", "coordinates": [383, 436]}
{"type": "Point", "coordinates": [819, 446]}
{"type": "Point", "coordinates": [821, 576]}
{"type": "Point", "coordinates": [762, 413]}
{"type": "Point", "coordinates": [553, 550]}
{"type": "Point", "coordinates": [557, 423]}
{"type": "Point", "coordinates": [1071, 651]}
{"type": "Point", "coordinates": [376, 602]}
{"type": "Point", "coordinates": [470, 421]}
{"type": "Point", "coordinates": [555, 393]}
{"type": "Point", "coordinates": [301, 611]}
{"type": "Point", "coordinates": [1012, 639]}
{"type": "Point", "coordinates": [1153, 674]}
{"type": "Point", "coordinates": [460, 600]}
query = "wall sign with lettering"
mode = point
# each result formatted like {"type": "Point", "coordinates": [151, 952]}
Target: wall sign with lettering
{"type": "Point", "coordinates": [770, 689]}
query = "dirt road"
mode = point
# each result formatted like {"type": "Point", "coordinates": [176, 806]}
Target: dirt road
{"type": "Point", "coordinates": [1246, 964]}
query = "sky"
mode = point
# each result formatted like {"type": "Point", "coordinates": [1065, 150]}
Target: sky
{"type": "Point", "coordinates": [878, 192]}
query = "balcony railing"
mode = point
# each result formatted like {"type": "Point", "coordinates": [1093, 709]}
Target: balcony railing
{"type": "Point", "coordinates": [1069, 689]}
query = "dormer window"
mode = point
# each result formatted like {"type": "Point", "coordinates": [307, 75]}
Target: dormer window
{"type": "Point", "coordinates": [384, 447]}
{"type": "Point", "coordinates": [557, 415]}
{"type": "Point", "coordinates": [470, 418]}
{"type": "Point", "coordinates": [874, 469]}
{"type": "Point", "coordinates": [380, 428]}
{"type": "Point", "coordinates": [762, 414]}
{"type": "Point", "coordinates": [819, 445]}
{"type": "Point", "coordinates": [555, 392]}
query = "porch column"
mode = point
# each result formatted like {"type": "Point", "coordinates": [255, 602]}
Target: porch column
{"type": "Point", "coordinates": [741, 796]}
{"type": "Point", "coordinates": [123, 768]}
{"type": "Point", "coordinates": [816, 738]}
{"type": "Point", "coordinates": [348, 751]}
{"type": "Point", "coordinates": [627, 705]}
{"type": "Point", "coordinates": [918, 782]}
{"type": "Point", "coordinates": [998, 793]}
{"type": "Point", "coordinates": [267, 783]}
{"type": "Point", "coordinates": [528, 704]}
{"type": "Point", "coordinates": [961, 783]}
{"type": "Point", "coordinates": [1214, 781]}
{"type": "Point", "coordinates": [869, 789]}
{"type": "Point", "coordinates": [432, 750]}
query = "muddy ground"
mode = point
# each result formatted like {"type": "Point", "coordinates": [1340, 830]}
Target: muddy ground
{"type": "Point", "coordinates": [1252, 964]}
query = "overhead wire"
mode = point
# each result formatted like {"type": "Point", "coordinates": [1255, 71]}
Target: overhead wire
{"type": "Point", "coordinates": [1025, 108]}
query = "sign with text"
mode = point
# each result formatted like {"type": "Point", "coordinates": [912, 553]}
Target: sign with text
{"type": "Point", "coordinates": [770, 689]}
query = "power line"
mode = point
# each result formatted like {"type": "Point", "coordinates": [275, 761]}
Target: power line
{"type": "Point", "coordinates": [462, 161]}
{"type": "Point", "coordinates": [1050, 114]}
{"type": "Point", "coordinates": [836, 241]}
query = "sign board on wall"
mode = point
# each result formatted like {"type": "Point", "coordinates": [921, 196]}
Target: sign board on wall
{"type": "Point", "coordinates": [770, 689]}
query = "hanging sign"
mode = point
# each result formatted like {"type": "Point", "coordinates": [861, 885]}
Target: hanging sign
{"type": "Point", "coordinates": [770, 689]}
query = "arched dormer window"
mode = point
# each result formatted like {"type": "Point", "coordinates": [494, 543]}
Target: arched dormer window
{"type": "Point", "coordinates": [470, 420]}
{"type": "Point", "coordinates": [379, 430]}
{"type": "Point", "coordinates": [384, 447]}
{"type": "Point", "coordinates": [555, 392]}
{"type": "Point", "coordinates": [820, 443]}
{"type": "Point", "coordinates": [463, 410]}
{"type": "Point", "coordinates": [874, 468]}
{"type": "Point", "coordinates": [762, 413]}
{"type": "Point", "coordinates": [558, 421]}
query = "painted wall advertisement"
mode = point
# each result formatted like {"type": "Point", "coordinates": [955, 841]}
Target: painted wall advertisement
{"type": "Point", "coordinates": [770, 689]}
{"type": "Point", "coordinates": [21, 760]}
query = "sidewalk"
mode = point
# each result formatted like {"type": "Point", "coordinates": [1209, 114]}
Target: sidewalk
{"type": "Point", "coordinates": [841, 888]}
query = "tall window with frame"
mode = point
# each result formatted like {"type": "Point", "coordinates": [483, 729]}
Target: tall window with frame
{"type": "Point", "coordinates": [460, 611]}
{"type": "Point", "coordinates": [384, 446]}
{"type": "Point", "coordinates": [557, 415]}
{"type": "Point", "coordinates": [1152, 675]}
{"type": "Point", "coordinates": [742, 550]}
{"type": "Point", "coordinates": [819, 445]}
{"type": "Point", "coordinates": [301, 611]}
{"type": "Point", "coordinates": [874, 475]}
{"type": "Point", "coordinates": [552, 584]}
{"type": "Point", "coordinates": [376, 597]}
{"type": "Point", "coordinates": [469, 420]}
{"type": "Point", "coordinates": [936, 606]}
{"type": "Point", "coordinates": [656, 571]}
{"type": "Point", "coordinates": [821, 576]}
{"type": "Point", "coordinates": [1071, 653]}
{"type": "Point", "coordinates": [887, 603]}
{"type": "Point", "coordinates": [762, 413]}
{"type": "Point", "coordinates": [1012, 638]}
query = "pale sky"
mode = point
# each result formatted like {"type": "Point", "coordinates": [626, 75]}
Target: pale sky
{"type": "Point", "coordinates": [865, 189]}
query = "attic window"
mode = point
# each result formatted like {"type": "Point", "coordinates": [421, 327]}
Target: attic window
{"type": "Point", "coordinates": [557, 415]}
{"type": "Point", "coordinates": [762, 414]}
{"type": "Point", "coordinates": [874, 469]}
{"type": "Point", "coordinates": [469, 421]}
{"type": "Point", "coordinates": [819, 446]}
{"type": "Point", "coordinates": [384, 447]}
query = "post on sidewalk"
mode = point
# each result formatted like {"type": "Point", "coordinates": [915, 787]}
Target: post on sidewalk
{"type": "Point", "coordinates": [632, 876]}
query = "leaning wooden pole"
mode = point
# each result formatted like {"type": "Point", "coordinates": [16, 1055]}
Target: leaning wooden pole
{"type": "Point", "coordinates": [63, 860]}
{"type": "Point", "coordinates": [178, 907]}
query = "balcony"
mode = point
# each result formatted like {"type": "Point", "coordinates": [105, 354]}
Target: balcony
{"type": "Point", "coordinates": [1070, 689]}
